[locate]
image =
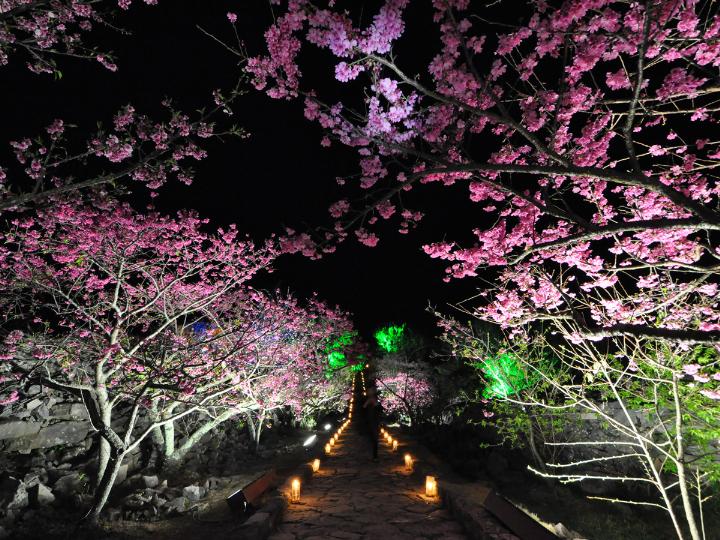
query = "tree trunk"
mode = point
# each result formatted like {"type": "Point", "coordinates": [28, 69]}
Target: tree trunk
{"type": "Point", "coordinates": [258, 431]}
{"type": "Point", "coordinates": [251, 426]}
{"type": "Point", "coordinates": [682, 478]}
{"type": "Point", "coordinates": [105, 413]}
{"type": "Point", "coordinates": [179, 454]}
{"type": "Point", "coordinates": [106, 484]}
{"type": "Point", "coordinates": [168, 439]}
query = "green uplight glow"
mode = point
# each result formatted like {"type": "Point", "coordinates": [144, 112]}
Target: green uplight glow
{"type": "Point", "coordinates": [335, 352]}
{"type": "Point", "coordinates": [505, 376]}
{"type": "Point", "coordinates": [337, 360]}
{"type": "Point", "coordinates": [390, 338]}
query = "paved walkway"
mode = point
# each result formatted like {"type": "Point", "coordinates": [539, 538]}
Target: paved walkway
{"type": "Point", "coordinates": [352, 497]}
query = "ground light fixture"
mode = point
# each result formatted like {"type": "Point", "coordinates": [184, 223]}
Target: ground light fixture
{"type": "Point", "coordinates": [295, 490]}
{"type": "Point", "coordinates": [394, 445]}
{"type": "Point", "coordinates": [408, 462]}
{"type": "Point", "coordinates": [431, 487]}
{"type": "Point", "coordinates": [316, 465]}
{"type": "Point", "coordinates": [328, 448]}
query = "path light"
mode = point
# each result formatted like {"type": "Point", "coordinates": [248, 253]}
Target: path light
{"type": "Point", "coordinates": [316, 465]}
{"type": "Point", "coordinates": [394, 443]}
{"type": "Point", "coordinates": [430, 486]}
{"type": "Point", "coordinates": [310, 440]}
{"type": "Point", "coordinates": [295, 490]}
{"type": "Point", "coordinates": [408, 462]}
{"type": "Point", "coordinates": [327, 448]}
{"type": "Point", "coordinates": [332, 442]}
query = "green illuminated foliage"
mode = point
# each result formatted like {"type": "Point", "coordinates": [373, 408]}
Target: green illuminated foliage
{"type": "Point", "coordinates": [335, 350]}
{"type": "Point", "coordinates": [504, 376]}
{"type": "Point", "coordinates": [337, 359]}
{"type": "Point", "coordinates": [357, 367]}
{"type": "Point", "coordinates": [390, 338]}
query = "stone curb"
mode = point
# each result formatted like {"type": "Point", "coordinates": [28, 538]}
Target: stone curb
{"type": "Point", "coordinates": [262, 523]}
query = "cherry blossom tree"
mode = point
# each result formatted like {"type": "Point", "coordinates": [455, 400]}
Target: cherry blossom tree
{"type": "Point", "coordinates": [586, 134]}
{"type": "Point", "coordinates": [405, 393]}
{"type": "Point", "coordinates": [288, 361]}
{"type": "Point", "coordinates": [652, 427]}
{"type": "Point", "coordinates": [136, 148]}
{"type": "Point", "coordinates": [40, 31]}
{"type": "Point", "coordinates": [574, 133]}
{"type": "Point", "coordinates": [104, 302]}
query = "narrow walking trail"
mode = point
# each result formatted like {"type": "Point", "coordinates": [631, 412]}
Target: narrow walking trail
{"type": "Point", "coordinates": [353, 497]}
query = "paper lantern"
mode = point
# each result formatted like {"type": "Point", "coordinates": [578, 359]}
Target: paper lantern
{"type": "Point", "coordinates": [430, 486]}
{"type": "Point", "coordinates": [316, 465]}
{"type": "Point", "coordinates": [395, 444]}
{"type": "Point", "coordinates": [408, 462]}
{"type": "Point", "coordinates": [295, 490]}
{"type": "Point", "coordinates": [327, 448]}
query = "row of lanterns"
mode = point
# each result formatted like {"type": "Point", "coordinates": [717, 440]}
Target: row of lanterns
{"type": "Point", "coordinates": [431, 486]}
{"type": "Point", "coordinates": [315, 464]}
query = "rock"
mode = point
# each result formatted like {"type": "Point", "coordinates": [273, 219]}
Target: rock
{"type": "Point", "coordinates": [213, 482]}
{"type": "Point", "coordinates": [34, 404]}
{"type": "Point", "coordinates": [178, 505]}
{"type": "Point", "coordinates": [40, 495]}
{"type": "Point", "coordinates": [112, 514]}
{"type": "Point", "coordinates": [64, 433]}
{"type": "Point", "coordinates": [78, 411]}
{"type": "Point", "coordinates": [193, 493]}
{"type": "Point", "coordinates": [68, 485]}
{"type": "Point", "coordinates": [137, 501]}
{"type": "Point", "coordinates": [13, 493]}
{"type": "Point", "coordinates": [15, 429]}
{"type": "Point", "coordinates": [34, 389]}
{"type": "Point", "coordinates": [70, 453]}
{"type": "Point", "coordinates": [43, 412]}
{"type": "Point", "coordinates": [150, 481]}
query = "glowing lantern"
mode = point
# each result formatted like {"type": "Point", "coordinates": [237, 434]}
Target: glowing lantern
{"type": "Point", "coordinates": [327, 448]}
{"type": "Point", "coordinates": [408, 462]}
{"type": "Point", "coordinates": [332, 442]}
{"type": "Point", "coordinates": [295, 490]}
{"type": "Point", "coordinates": [430, 486]}
{"type": "Point", "coordinates": [316, 465]}
{"type": "Point", "coordinates": [394, 443]}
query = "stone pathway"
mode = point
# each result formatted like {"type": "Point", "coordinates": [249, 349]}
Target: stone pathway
{"type": "Point", "coordinates": [352, 497]}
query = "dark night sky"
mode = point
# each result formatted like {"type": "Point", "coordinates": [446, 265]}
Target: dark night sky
{"type": "Point", "coordinates": [280, 176]}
